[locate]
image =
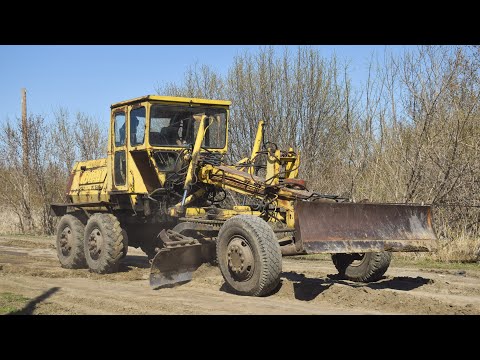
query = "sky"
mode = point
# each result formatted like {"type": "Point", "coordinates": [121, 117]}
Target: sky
{"type": "Point", "coordinates": [89, 78]}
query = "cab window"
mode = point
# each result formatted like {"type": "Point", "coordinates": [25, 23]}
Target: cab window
{"type": "Point", "coordinates": [137, 126]}
{"type": "Point", "coordinates": [120, 128]}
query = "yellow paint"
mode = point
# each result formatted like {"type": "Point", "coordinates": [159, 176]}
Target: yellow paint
{"type": "Point", "coordinates": [292, 167]}
{"type": "Point", "coordinates": [196, 151]}
{"type": "Point", "coordinates": [256, 145]}
{"type": "Point", "coordinates": [290, 218]}
{"type": "Point", "coordinates": [224, 214]}
{"type": "Point", "coordinates": [175, 211]}
{"type": "Point", "coordinates": [241, 208]}
{"type": "Point", "coordinates": [194, 212]}
{"type": "Point", "coordinates": [172, 99]}
{"type": "Point", "coordinates": [88, 183]}
{"type": "Point", "coordinates": [273, 168]}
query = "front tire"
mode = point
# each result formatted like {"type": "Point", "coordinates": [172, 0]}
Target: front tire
{"type": "Point", "coordinates": [249, 256]}
{"type": "Point", "coordinates": [366, 267]}
{"type": "Point", "coordinates": [103, 243]}
{"type": "Point", "coordinates": [70, 232]}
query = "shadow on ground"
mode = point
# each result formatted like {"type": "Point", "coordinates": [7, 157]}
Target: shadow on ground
{"type": "Point", "coordinates": [306, 289]}
{"type": "Point", "coordinates": [29, 308]}
{"type": "Point", "coordinates": [138, 261]}
{"type": "Point", "coordinates": [403, 283]}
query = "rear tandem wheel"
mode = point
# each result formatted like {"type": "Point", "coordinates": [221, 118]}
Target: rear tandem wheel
{"type": "Point", "coordinates": [104, 243]}
{"type": "Point", "coordinates": [70, 242]}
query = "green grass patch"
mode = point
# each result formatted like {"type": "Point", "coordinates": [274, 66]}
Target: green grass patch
{"type": "Point", "coordinates": [11, 302]}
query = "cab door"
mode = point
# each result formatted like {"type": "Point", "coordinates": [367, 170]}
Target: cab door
{"type": "Point", "coordinates": [137, 157]}
{"type": "Point", "coordinates": [119, 149]}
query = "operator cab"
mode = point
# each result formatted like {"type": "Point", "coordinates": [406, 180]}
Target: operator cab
{"type": "Point", "coordinates": [165, 127]}
{"type": "Point", "coordinates": [170, 122]}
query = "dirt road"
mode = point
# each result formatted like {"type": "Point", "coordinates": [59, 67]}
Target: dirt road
{"type": "Point", "coordinates": [29, 267]}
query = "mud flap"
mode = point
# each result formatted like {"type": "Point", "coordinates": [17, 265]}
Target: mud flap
{"type": "Point", "coordinates": [324, 227]}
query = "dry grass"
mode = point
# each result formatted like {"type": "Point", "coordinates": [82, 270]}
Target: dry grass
{"type": "Point", "coordinates": [8, 223]}
{"type": "Point", "coordinates": [461, 249]}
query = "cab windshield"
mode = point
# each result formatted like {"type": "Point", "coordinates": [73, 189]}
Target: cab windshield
{"type": "Point", "coordinates": [175, 126]}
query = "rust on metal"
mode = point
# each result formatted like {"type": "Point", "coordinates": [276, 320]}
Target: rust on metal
{"type": "Point", "coordinates": [175, 266]}
{"type": "Point", "coordinates": [299, 184]}
{"type": "Point", "coordinates": [353, 227]}
{"type": "Point", "coordinates": [181, 255]}
{"type": "Point", "coordinates": [238, 179]}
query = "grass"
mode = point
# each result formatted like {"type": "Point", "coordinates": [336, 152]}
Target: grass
{"type": "Point", "coordinates": [9, 223]}
{"type": "Point", "coordinates": [311, 257]}
{"type": "Point", "coordinates": [11, 302]}
{"type": "Point", "coordinates": [26, 236]}
{"type": "Point", "coordinates": [430, 263]}
{"type": "Point", "coordinates": [462, 249]}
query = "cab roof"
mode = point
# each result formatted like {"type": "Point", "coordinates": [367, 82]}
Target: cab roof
{"type": "Point", "coordinates": [172, 99]}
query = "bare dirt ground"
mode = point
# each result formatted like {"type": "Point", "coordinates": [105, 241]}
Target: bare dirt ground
{"type": "Point", "coordinates": [29, 268]}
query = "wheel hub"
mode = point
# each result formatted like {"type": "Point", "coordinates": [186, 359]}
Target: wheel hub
{"type": "Point", "coordinates": [66, 239]}
{"type": "Point", "coordinates": [240, 259]}
{"type": "Point", "coordinates": [95, 243]}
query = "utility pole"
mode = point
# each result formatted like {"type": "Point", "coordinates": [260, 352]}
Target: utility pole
{"type": "Point", "coordinates": [27, 214]}
{"type": "Point", "coordinates": [24, 132]}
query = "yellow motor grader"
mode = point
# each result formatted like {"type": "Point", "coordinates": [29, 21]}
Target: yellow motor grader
{"type": "Point", "coordinates": [165, 185]}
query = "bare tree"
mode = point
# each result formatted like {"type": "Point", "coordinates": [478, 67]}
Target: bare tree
{"type": "Point", "coordinates": [13, 176]}
{"type": "Point", "coordinates": [64, 138]}
{"type": "Point", "coordinates": [90, 137]}
{"type": "Point", "coordinates": [409, 133]}
{"type": "Point", "coordinates": [53, 147]}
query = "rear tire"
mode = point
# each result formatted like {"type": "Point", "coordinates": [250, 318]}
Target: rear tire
{"type": "Point", "coordinates": [249, 256]}
{"type": "Point", "coordinates": [365, 267]}
{"type": "Point", "coordinates": [70, 232]}
{"type": "Point", "coordinates": [103, 243]}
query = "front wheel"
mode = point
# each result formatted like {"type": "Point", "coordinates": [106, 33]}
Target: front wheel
{"type": "Point", "coordinates": [366, 267]}
{"type": "Point", "coordinates": [249, 256]}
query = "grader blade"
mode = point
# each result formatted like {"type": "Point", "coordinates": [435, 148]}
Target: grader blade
{"type": "Point", "coordinates": [175, 266]}
{"type": "Point", "coordinates": [323, 227]}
